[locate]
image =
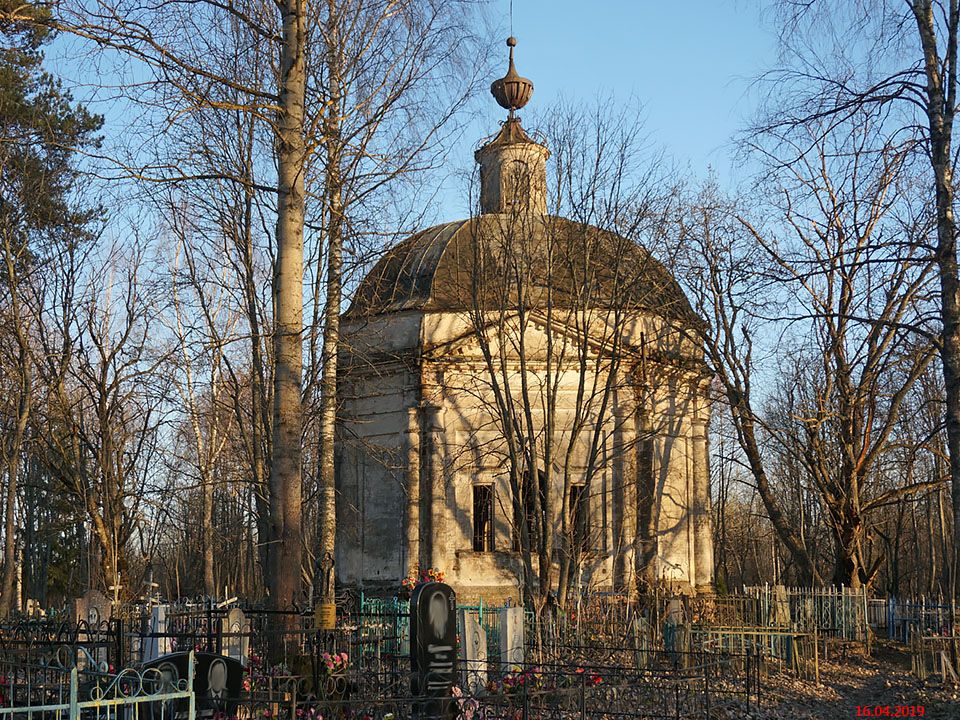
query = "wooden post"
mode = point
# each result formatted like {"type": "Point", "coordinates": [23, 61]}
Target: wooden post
{"type": "Point", "coordinates": [816, 655]}
{"type": "Point", "coordinates": [866, 620]}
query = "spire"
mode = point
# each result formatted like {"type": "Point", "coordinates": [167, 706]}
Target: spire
{"type": "Point", "coordinates": [513, 173]}
{"type": "Point", "coordinates": [511, 91]}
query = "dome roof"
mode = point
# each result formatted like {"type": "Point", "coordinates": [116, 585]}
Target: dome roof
{"type": "Point", "coordinates": [433, 270]}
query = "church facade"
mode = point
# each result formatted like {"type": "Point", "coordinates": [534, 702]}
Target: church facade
{"type": "Point", "coordinates": [514, 353]}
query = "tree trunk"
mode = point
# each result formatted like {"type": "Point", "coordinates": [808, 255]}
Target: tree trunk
{"type": "Point", "coordinates": [13, 443]}
{"type": "Point", "coordinates": [209, 582]}
{"type": "Point", "coordinates": [327, 533]}
{"type": "Point", "coordinates": [941, 101]}
{"type": "Point", "coordinates": [847, 568]}
{"type": "Point", "coordinates": [9, 549]}
{"type": "Point", "coordinates": [645, 550]}
{"type": "Point", "coordinates": [742, 416]}
{"type": "Point", "coordinates": [285, 491]}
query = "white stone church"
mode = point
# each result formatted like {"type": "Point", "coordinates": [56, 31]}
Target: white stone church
{"type": "Point", "coordinates": [453, 358]}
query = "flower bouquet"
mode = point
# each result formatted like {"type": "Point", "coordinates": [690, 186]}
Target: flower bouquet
{"type": "Point", "coordinates": [409, 584]}
{"type": "Point", "coordinates": [333, 675]}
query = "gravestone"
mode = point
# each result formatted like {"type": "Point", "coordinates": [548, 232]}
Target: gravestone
{"type": "Point", "coordinates": [474, 652]}
{"type": "Point", "coordinates": [157, 643]}
{"type": "Point", "coordinates": [217, 682]}
{"type": "Point", "coordinates": [236, 635]}
{"type": "Point", "coordinates": [433, 650]}
{"type": "Point", "coordinates": [781, 607]}
{"type": "Point", "coordinates": [511, 636]}
{"type": "Point", "coordinates": [92, 608]}
{"type": "Point", "coordinates": [675, 614]}
{"type": "Point", "coordinates": [809, 619]}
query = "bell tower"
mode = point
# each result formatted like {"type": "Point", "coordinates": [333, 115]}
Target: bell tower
{"type": "Point", "coordinates": [513, 168]}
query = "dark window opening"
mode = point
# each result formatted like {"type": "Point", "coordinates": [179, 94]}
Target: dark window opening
{"type": "Point", "coordinates": [483, 518]}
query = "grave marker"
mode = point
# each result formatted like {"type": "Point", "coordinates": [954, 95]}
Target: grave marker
{"type": "Point", "coordinates": [156, 643]}
{"type": "Point", "coordinates": [474, 652]}
{"type": "Point", "coordinates": [781, 606]}
{"type": "Point", "coordinates": [433, 649]}
{"type": "Point", "coordinates": [511, 636]}
{"type": "Point", "coordinates": [93, 607]}
{"type": "Point", "coordinates": [236, 631]}
{"type": "Point", "coordinates": [217, 682]}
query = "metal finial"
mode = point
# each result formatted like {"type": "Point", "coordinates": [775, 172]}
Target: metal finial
{"type": "Point", "coordinates": [512, 91]}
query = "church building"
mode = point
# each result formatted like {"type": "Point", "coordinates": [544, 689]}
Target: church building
{"type": "Point", "coordinates": [516, 363]}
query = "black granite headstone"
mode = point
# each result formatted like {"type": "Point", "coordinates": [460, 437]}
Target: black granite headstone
{"type": "Point", "coordinates": [433, 649]}
{"type": "Point", "coordinates": [217, 683]}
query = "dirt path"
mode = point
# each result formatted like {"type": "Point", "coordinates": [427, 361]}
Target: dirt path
{"type": "Point", "coordinates": [857, 686]}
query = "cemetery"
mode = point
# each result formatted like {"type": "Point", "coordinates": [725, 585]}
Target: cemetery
{"type": "Point", "coordinates": [670, 656]}
{"type": "Point", "coordinates": [326, 393]}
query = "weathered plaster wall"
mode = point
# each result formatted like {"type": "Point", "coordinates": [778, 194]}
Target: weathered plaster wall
{"type": "Point", "coordinates": [419, 431]}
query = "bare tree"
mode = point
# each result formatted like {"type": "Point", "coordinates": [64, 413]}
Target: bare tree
{"type": "Point", "coordinates": [723, 273]}
{"type": "Point", "coordinates": [103, 399]}
{"type": "Point", "coordinates": [16, 350]}
{"type": "Point", "coordinates": [202, 399]}
{"type": "Point", "coordinates": [395, 75]}
{"type": "Point", "coordinates": [40, 132]}
{"type": "Point", "coordinates": [336, 94]}
{"type": "Point", "coordinates": [905, 70]}
{"type": "Point", "coordinates": [847, 250]}
{"type": "Point", "coordinates": [553, 303]}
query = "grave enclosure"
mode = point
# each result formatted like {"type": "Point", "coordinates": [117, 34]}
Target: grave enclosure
{"type": "Point", "coordinates": [497, 663]}
{"type": "Point", "coordinates": [604, 656]}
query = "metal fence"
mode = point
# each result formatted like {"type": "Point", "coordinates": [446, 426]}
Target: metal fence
{"type": "Point", "coordinates": [45, 692]}
{"type": "Point", "coordinates": [845, 613]}
{"type": "Point", "coordinates": [51, 670]}
{"type": "Point", "coordinates": [557, 690]}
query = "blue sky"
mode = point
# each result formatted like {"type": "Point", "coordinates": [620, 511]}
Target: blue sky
{"type": "Point", "coordinates": [689, 62]}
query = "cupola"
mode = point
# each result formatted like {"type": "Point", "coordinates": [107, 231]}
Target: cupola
{"type": "Point", "coordinates": [513, 168]}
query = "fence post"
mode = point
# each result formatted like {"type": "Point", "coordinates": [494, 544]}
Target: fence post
{"type": "Point", "coordinates": [816, 655]}
{"type": "Point", "coordinates": [210, 646]}
{"type": "Point", "coordinates": [866, 620]}
{"type": "Point", "coordinates": [119, 660]}
{"type": "Point", "coordinates": [74, 705]}
{"type": "Point", "coordinates": [526, 703]}
{"type": "Point", "coordinates": [706, 689]}
{"type": "Point", "coordinates": [192, 710]}
{"type": "Point", "coordinates": [891, 614]}
{"type": "Point", "coordinates": [757, 683]}
{"type": "Point", "coordinates": [583, 696]}
{"type": "Point", "coordinates": [749, 678]}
